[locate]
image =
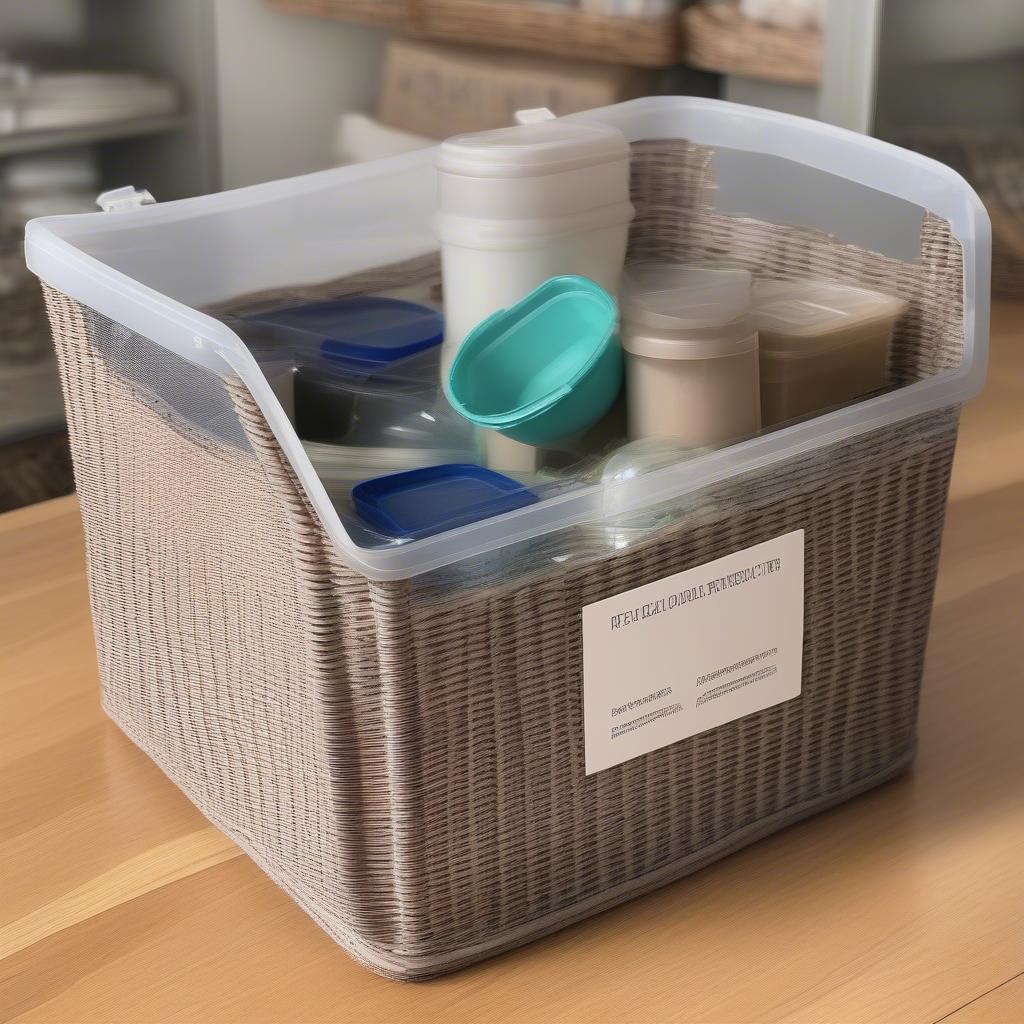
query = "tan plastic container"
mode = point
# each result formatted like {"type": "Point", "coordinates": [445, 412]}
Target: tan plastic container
{"type": "Point", "coordinates": [691, 353]}
{"type": "Point", "coordinates": [822, 344]}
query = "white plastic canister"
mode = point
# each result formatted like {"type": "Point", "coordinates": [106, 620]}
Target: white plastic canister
{"type": "Point", "coordinates": [519, 205]}
{"type": "Point", "coordinates": [691, 353]}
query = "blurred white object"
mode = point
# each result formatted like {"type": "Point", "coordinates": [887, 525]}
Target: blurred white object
{"type": "Point", "coordinates": [646, 455]}
{"type": "Point", "coordinates": [629, 8]}
{"type": "Point", "coordinates": [791, 14]}
{"type": "Point", "coordinates": [534, 115]}
{"type": "Point", "coordinates": [67, 170]}
{"type": "Point", "coordinates": [19, 210]}
{"type": "Point", "coordinates": [44, 184]}
{"type": "Point", "coordinates": [361, 138]}
{"type": "Point", "coordinates": [13, 79]}
{"type": "Point", "coordinates": [62, 99]}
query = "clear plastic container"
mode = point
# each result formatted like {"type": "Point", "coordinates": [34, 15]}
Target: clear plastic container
{"type": "Point", "coordinates": [399, 405]}
{"type": "Point", "coordinates": [358, 377]}
{"type": "Point", "coordinates": [822, 344]}
{"type": "Point", "coordinates": [156, 269]}
{"type": "Point", "coordinates": [691, 353]}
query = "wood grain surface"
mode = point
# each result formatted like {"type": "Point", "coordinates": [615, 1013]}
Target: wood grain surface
{"type": "Point", "coordinates": [118, 902]}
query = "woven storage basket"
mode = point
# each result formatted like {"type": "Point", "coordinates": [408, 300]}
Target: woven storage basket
{"type": "Point", "coordinates": [717, 37]}
{"type": "Point", "coordinates": [510, 24]}
{"type": "Point", "coordinates": [405, 756]}
{"type": "Point", "coordinates": [439, 91]}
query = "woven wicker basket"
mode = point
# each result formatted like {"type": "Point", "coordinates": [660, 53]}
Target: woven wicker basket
{"type": "Point", "coordinates": [717, 37]}
{"type": "Point", "coordinates": [405, 757]}
{"type": "Point", "coordinates": [508, 24]}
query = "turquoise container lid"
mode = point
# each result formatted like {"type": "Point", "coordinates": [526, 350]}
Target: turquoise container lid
{"type": "Point", "coordinates": [544, 369]}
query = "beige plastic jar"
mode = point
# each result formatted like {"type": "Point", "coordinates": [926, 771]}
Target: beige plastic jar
{"type": "Point", "coordinates": [691, 353]}
{"type": "Point", "coordinates": [822, 344]}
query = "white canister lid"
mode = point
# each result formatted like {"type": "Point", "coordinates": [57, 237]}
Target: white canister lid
{"type": "Point", "coordinates": [683, 311]}
{"type": "Point", "coordinates": [527, 150]}
{"type": "Point", "coordinates": [675, 296]}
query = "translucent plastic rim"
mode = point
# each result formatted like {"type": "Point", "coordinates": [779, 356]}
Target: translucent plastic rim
{"type": "Point", "coordinates": [56, 251]}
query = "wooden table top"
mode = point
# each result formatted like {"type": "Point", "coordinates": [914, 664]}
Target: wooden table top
{"type": "Point", "coordinates": [119, 902]}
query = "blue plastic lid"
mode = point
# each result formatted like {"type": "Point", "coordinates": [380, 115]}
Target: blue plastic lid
{"type": "Point", "coordinates": [362, 330]}
{"type": "Point", "coordinates": [437, 498]}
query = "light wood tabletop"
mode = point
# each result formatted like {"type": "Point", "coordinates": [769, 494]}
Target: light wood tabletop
{"type": "Point", "coordinates": [119, 902]}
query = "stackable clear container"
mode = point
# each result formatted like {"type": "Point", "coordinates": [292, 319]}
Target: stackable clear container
{"type": "Point", "coordinates": [822, 344]}
{"type": "Point", "coordinates": [155, 269]}
{"type": "Point", "coordinates": [359, 379]}
{"type": "Point", "coordinates": [691, 353]}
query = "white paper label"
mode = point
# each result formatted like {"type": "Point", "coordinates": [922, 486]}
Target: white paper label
{"type": "Point", "coordinates": [693, 651]}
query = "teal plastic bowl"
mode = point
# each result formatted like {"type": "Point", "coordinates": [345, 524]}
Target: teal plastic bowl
{"type": "Point", "coordinates": [548, 367]}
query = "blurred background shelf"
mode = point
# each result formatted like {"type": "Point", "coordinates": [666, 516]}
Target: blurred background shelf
{"type": "Point", "coordinates": [110, 93]}
{"type": "Point", "coordinates": [35, 463]}
{"type": "Point", "coordinates": [561, 31]}
{"type": "Point", "coordinates": [87, 134]}
{"type": "Point", "coordinates": [30, 400]}
{"type": "Point", "coordinates": [717, 37]}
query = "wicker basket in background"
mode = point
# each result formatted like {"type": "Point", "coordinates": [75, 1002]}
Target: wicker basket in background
{"type": "Point", "coordinates": [717, 37]}
{"type": "Point", "coordinates": [507, 24]}
{"type": "Point", "coordinates": [438, 91]}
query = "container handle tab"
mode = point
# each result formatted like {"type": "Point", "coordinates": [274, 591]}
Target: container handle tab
{"type": "Point", "coordinates": [128, 197]}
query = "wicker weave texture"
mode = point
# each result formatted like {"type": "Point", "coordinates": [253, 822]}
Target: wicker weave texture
{"type": "Point", "coordinates": [673, 190]}
{"type": "Point", "coordinates": [993, 162]}
{"type": "Point", "coordinates": [406, 758]}
{"type": "Point", "coordinates": [717, 37]}
{"type": "Point", "coordinates": [513, 25]}
{"type": "Point", "coordinates": [562, 31]}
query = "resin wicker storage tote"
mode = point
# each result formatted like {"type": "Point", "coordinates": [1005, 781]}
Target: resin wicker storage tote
{"type": "Point", "coordinates": [395, 734]}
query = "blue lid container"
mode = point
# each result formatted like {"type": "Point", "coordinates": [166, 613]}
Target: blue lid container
{"type": "Point", "coordinates": [363, 332]}
{"type": "Point", "coordinates": [366, 369]}
{"type": "Point", "coordinates": [426, 501]}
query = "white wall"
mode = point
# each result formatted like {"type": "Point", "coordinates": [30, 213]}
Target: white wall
{"type": "Point", "coordinates": [951, 62]}
{"type": "Point", "coordinates": [282, 82]}
{"type": "Point", "coordinates": [28, 23]}
{"type": "Point", "coordinates": [955, 30]}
